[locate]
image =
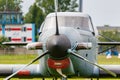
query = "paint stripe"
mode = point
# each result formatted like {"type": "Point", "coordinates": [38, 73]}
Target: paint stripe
{"type": "Point", "coordinates": [29, 39]}
{"type": "Point", "coordinates": [29, 29]}
{"type": "Point", "coordinates": [24, 73]}
{"type": "Point", "coordinates": [15, 29]}
{"type": "Point", "coordinates": [16, 39]}
{"type": "Point", "coordinates": [58, 64]}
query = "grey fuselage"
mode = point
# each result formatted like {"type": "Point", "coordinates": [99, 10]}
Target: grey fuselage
{"type": "Point", "coordinates": [77, 31]}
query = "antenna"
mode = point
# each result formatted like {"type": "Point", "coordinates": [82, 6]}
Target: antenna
{"type": "Point", "coordinates": [56, 9]}
{"type": "Point", "coordinates": [56, 5]}
{"type": "Point", "coordinates": [80, 5]}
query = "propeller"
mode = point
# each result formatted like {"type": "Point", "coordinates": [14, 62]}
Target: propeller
{"type": "Point", "coordinates": [40, 56]}
{"type": "Point", "coordinates": [79, 56]}
{"type": "Point", "coordinates": [109, 39]}
{"type": "Point", "coordinates": [57, 29]}
{"type": "Point", "coordinates": [106, 49]}
{"type": "Point", "coordinates": [56, 18]}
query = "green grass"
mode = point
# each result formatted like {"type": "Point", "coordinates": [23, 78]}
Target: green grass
{"type": "Point", "coordinates": [25, 58]}
{"type": "Point", "coordinates": [114, 60]}
{"type": "Point", "coordinates": [17, 59]}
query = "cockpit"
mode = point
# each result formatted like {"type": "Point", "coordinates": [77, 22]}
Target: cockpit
{"type": "Point", "coordinates": [69, 19]}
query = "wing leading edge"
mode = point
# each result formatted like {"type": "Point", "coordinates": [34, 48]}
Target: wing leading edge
{"type": "Point", "coordinates": [8, 69]}
{"type": "Point", "coordinates": [113, 68]}
{"type": "Point", "coordinates": [108, 43]}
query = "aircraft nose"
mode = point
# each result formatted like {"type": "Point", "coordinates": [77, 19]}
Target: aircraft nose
{"type": "Point", "coordinates": [58, 45]}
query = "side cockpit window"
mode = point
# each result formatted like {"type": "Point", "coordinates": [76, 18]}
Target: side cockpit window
{"type": "Point", "coordinates": [41, 28]}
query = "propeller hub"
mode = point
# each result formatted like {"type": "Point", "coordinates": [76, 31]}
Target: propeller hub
{"type": "Point", "coordinates": [58, 45]}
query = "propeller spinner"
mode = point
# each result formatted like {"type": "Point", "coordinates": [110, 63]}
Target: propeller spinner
{"type": "Point", "coordinates": [58, 45]}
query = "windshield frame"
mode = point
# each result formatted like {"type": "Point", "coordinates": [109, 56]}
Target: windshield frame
{"type": "Point", "coordinates": [47, 24]}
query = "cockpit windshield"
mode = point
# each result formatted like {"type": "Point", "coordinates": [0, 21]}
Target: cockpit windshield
{"type": "Point", "coordinates": [78, 22]}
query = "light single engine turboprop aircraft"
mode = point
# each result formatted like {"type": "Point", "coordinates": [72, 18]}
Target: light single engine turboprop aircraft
{"type": "Point", "coordinates": [67, 46]}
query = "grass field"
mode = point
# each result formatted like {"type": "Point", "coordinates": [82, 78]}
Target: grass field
{"type": "Point", "coordinates": [25, 58]}
{"type": "Point", "coordinates": [17, 59]}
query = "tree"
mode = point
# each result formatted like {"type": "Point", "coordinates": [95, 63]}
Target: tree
{"type": "Point", "coordinates": [41, 8]}
{"type": "Point", "coordinates": [3, 39]}
{"type": "Point", "coordinates": [35, 15]}
{"type": "Point", "coordinates": [47, 6]}
{"type": "Point", "coordinates": [10, 5]}
{"type": "Point", "coordinates": [113, 35]}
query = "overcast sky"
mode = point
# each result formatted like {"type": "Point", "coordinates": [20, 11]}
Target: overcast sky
{"type": "Point", "coordinates": [103, 12]}
{"type": "Point", "coordinates": [26, 4]}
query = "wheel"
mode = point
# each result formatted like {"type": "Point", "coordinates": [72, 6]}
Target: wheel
{"type": "Point", "coordinates": [43, 78]}
{"type": "Point", "coordinates": [63, 78]}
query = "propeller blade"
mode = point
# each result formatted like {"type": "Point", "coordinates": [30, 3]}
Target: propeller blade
{"type": "Point", "coordinates": [40, 56]}
{"type": "Point", "coordinates": [34, 45]}
{"type": "Point", "coordinates": [79, 56]}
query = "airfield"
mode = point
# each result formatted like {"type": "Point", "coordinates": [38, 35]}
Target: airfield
{"type": "Point", "coordinates": [25, 58]}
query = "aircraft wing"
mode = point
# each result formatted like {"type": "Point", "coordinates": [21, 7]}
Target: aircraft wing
{"type": "Point", "coordinates": [108, 43]}
{"type": "Point", "coordinates": [8, 69]}
{"type": "Point", "coordinates": [113, 68]}
{"type": "Point", "coordinates": [15, 43]}
{"type": "Point", "coordinates": [34, 70]}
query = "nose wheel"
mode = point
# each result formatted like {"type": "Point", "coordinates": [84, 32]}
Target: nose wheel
{"type": "Point", "coordinates": [60, 72]}
{"type": "Point", "coordinates": [63, 78]}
